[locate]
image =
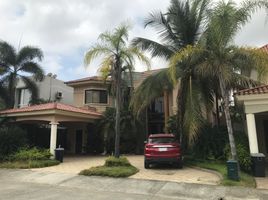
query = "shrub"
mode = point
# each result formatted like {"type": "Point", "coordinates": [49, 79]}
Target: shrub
{"type": "Point", "coordinates": [11, 139]}
{"type": "Point", "coordinates": [210, 143]}
{"type": "Point", "coordinates": [114, 162]}
{"type": "Point", "coordinates": [31, 154]}
{"type": "Point", "coordinates": [242, 151]}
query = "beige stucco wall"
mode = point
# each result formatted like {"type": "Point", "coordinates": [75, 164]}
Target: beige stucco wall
{"type": "Point", "coordinates": [79, 96]}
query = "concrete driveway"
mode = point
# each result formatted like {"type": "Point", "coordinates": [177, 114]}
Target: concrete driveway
{"type": "Point", "coordinates": [73, 165]}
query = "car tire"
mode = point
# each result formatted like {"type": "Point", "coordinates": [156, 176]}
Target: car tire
{"type": "Point", "coordinates": [146, 165]}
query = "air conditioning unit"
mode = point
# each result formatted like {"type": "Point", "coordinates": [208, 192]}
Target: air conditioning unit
{"type": "Point", "coordinates": [59, 95]}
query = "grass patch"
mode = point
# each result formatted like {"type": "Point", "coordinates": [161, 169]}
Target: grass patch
{"type": "Point", "coordinates": [246, 180]}
{"type": "Point", "coordinates": [28, 164]}
{"type": "Point", "coordinates": [113, 167]}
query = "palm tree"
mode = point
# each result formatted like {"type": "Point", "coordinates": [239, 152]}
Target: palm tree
{"type": "Point", "coordinates": [15, 65]}
{"type": "Point", "coordinates": [118, 57]}
{"type": "Point", "coordinates": [220, 60]}
{"type": "Point", "coordinates": [180, 26]}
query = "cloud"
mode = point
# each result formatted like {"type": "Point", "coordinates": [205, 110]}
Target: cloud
{"type": "Point", "coordinates": [65, 29]}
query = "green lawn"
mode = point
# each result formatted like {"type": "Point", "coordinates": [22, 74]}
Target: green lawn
{"type": "Point", "coordinates": [246, 180]}
{"type": "Point", "coordinates": [28, 164]}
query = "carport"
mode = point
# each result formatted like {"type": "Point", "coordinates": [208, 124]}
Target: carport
{"type": "Point", "coordinates": [53, 115]}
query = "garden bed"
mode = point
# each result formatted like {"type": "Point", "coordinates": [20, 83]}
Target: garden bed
{"type": "Point", "coordinates": [113, 167]}
{"type": "Point", "coordinates": [28, 164]}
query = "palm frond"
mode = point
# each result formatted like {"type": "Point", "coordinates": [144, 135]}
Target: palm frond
{"type": "Point", "coordinates": [106, 67]}
{"type": "Point", "coordinates": [7, 55]}
{"type": "Point", "coordinates": [153, 85]}
{"type": "Point", "coordinates": [156, 49]}
{"type": "Point", "coordinates": [29, 53]}
{"type": "Point", "coordinates": [96, 51]}
{"type": "Point", "coordinates": [33, 68]}
{"type": "Point", "coordinates": [134, 51]}
{"type": "Point", "coordinates": [193, 117]}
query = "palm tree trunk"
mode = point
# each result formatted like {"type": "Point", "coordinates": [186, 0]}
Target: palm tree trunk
{"type": "Point", "coordinates": [166, 109]}
{"type": "Point", "coordinates": [117, 115]}
{"type": "Point", "coordinates": [228, 119]}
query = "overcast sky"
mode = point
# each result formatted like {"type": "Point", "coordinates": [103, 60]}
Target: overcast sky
{"type": "Point", "coordinates": [65, 29]}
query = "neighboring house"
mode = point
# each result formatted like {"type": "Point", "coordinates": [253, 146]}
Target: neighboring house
{"type": "Point", "coordinates": [93, 92]}
{"type": "Point", "coordinates": [50, 89]}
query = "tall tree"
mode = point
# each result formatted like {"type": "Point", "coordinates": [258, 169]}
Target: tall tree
{"type": "Point", "coordinates": [181, 25]}
{"type": "Point", "coordinates": [218, 59]}
{"type": "Point", "coordinates": [117, 58]}
{"type": "Point", "coordinates": [18, 64]}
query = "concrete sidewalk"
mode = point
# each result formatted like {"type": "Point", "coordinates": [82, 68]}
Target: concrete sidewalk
{"type": "Point", "coordinates": [25, 184]}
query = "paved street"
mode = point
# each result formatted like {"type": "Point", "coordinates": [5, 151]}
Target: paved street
{"type": "Point", "coordinates": [33, 185]}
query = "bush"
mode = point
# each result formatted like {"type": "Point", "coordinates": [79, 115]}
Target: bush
{"type": "Point", "coordinates": [11, 139]}
{"type": "Point", "coordinates": [210, 143]}
{"type": "Point", "coordinates": [114, 162]}
{"type": "Point", "coordinates": [242, 151]}
{"type": "Point", "coordinates": [31, 154]}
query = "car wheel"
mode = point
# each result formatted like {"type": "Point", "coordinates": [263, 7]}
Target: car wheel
{"type": "Point", "coordinates": [146, 165]}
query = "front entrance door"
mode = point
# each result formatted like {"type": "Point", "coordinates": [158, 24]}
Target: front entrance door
{"type": "Point", "coordinates": [78, 144]}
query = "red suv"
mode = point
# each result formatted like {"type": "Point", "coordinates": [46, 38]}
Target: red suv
{"type": "Point", "coordinates": [162, 148]}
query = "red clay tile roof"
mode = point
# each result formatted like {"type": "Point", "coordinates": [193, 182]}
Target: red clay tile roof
{"type": "Point", "coordinates": [92, 78]}
{"type": "Point", "coordinates": [51, 106]}
{"type": "Point", "coordinates": [263, 89]}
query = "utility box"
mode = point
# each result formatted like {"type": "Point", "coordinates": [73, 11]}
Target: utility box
{"type": "Point", "coordinates": [233, 170]}
{"type": "Point", "coordinates": [59, 153]}
{"type": "Point", "coordinates": [258, 164]}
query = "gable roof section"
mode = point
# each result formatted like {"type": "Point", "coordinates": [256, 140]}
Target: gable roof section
{"type": "Point", "coordinates": [51, 106]}
{"type": "Point", "coordinates": [263, 89]}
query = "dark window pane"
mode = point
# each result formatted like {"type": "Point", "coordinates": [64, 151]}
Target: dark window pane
{"type": "Point", "coordinates": [162, 140]}
{"type": "Point", "coordinates": [103, 96]}
{"type": "Point", "coordinates": [96, 96]}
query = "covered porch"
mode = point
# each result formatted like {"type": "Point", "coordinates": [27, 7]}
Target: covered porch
{"type": "Point", "coordinates": [56, 124]}
{"type": "Point", "coordinates": [255, 101]}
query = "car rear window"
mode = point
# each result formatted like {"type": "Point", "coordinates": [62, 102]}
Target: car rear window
{"type": "Point", "coordinates": [161, 140]}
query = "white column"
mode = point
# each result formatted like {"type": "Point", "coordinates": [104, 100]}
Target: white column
{"type": "Point", "coordinates": [53, 137]}
{"type": "Point", "coordinates": [252, 133]}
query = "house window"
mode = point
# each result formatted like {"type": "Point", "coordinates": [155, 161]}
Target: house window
{"type": "Point", "coordinates": [96, 96]}
{"type": "Point", "coordinates": [24, 97]}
